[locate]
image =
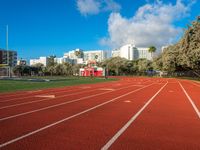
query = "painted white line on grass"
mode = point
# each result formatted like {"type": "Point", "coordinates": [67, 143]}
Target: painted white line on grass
{"type": "Point", "coordinates": [191, 101]}
{"type": "Point", "coordinates": [121, 131]}
{"type": "Point", "coordinates": [68, 118]}
{"type": "Point", "coordinates": [56, 105]}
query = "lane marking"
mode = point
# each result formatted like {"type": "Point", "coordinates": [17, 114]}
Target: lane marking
{"type": "Point", "coordinates": [195, 84]}
{"type": "Point", "coordinates": [68, 118]}
{"type": "Point", "coordinates": [107, 89]}
{"type": "Point", "coordinates": [56, 105]}
{"type": "Point", "coordinates": [46, 96]}
{"type": "Point", "coordinates": [191, 101]}
{"type": "Point", "coordinates": [46, 99]}
{"type": "Point", "coordinates": [127, 101]}
{"type": "Point", "coordinates": [46, 92]}
{"type": "Point", "coordinates": [123, 129]}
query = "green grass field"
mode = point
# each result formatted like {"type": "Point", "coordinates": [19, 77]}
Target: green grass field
{"type": "Point", "coordinates": [15, 85]}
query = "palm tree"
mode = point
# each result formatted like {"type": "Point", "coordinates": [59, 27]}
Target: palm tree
{"type": "Point", "coordinates": [152, 50]}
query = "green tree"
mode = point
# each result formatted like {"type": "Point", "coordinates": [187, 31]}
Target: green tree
{"type": "Point", "coordinates": [152, 49]}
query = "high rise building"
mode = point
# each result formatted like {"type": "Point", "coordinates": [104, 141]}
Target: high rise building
{"type": "Point", "coordinates": [8, 57]}
{"type": "Point", "coordinates": [79, 56]}
{"type": "Point", "coordinates": [131, 52]}
{"type": "Point", "coordinates": [42, 60]}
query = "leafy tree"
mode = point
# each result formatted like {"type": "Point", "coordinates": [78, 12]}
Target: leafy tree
{"type": "Point", "coordinates": [152, 49]}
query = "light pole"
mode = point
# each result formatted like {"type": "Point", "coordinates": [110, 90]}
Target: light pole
{"type": "Point", "coordinates": [8, 63]}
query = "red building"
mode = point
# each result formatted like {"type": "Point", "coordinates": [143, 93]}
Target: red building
{"type": "Point", "coordinates": [92, 71]}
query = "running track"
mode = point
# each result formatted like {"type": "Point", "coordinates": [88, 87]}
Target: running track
{"type": "Point", "coordinates": [132, 113]}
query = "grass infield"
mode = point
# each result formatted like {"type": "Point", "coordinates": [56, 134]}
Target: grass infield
{"type": "Point", "coordinates": [26, 84]}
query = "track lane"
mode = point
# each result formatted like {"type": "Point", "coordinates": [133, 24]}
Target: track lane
{"type": "Point", "coordinates": [28, 94]}
{"type": "Point", "coordinates": [168, 123]}
{"type": "Point", "coordinates": [12, 95]}
{"type": "Point", "coordinates": [193, 93]}
{"type": "Point", "coordinates": [57, 93]}
{"type": "Point", "coordinates": [45, 103]}
{"type": "Point", "coordinates": [63, 110]}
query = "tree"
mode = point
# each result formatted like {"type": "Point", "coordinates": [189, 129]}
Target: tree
{"type": "Point", "coordinates": [50, 61]}
{"type": "Point", "coordinates": [115, 65]}
{"type": "Point", "coordinates": [152, 49]}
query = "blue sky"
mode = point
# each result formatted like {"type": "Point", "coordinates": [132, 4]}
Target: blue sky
{"type": "Point", "coordinates": [46, 27]}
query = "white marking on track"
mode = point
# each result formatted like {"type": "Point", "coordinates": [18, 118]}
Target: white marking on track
{"type": "Point", "coordinates": [60, 104]}
{"type": "Point", "coordinates": [191, 101]}
{"type": "Point", "coordinates": [68, 118]}
{"type": "Point", "coordinates": [121, 131]}
{"type": "Point", "coordinates": [46, 96]}
{"type": "Point", "coordinates": [107, 89]}
{"type": "Point", "coordinates": [127, 101]}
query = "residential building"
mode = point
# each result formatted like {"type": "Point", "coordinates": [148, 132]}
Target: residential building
{"type": "Point", "coordinates": [22, 62]}
{"type": "Point", "coordinates": [116, 53]}
{"type": "Point", "coordinates": [131, 52]}
{"type": "Point", "coordinates": [95, 55]}
{"type": "Point", "coordinates": [42, 60]}
{"type": "Point", "coordinates": [64, 59]}
{"type": "Point", "coordinates": [79, 56]}
{"type": "Point", "coordinates": [8, 56]}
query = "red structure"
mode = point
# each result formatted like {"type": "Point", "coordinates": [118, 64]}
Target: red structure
{"type": "Point", "coordinates": [92, 70]}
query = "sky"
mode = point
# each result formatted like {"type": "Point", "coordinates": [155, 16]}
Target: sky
{"type": "Point", "coordinates": [52, 27]}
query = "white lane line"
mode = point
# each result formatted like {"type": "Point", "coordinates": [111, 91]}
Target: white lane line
{"type": "Point", "coordinates": [121, 131]}
{"type": "Point", "coordinates": [56, 105]}
{"type": "Point", "coordinates": [195, 84]}
{"type": "Point", "coordinates": [70, 117]}
{"type": "Point", "coordinates": [36, 101]}
{"type": "Point", "coordinates": [46, 99]}
{"type": "Point", "coordinates": [46, 92]}
{"type": "Point", "coordinates": [191, 101]}
{"type": "Point", "coordinates": [20, 98]}
{"type": "Point", "coordinates": [52, 106]}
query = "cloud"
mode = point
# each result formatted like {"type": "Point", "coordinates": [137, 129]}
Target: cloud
{"type": "Point", "coordinates": [152, 24]}
{"type": "Point", "coordinates": [93, 7]}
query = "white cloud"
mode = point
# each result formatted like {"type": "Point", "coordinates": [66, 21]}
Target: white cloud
{"type": "Point", "coordinates": [152, 24]}
{"type": "Point", "coordinates": [88, 6]}
{"type": "Point", "coordinates": [92, 7]}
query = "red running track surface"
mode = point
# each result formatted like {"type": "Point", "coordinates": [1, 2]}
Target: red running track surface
{"type": "Point", "coordinates": [132, 113]}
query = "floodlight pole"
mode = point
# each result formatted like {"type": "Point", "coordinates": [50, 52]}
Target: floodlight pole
{"type": "Point", "coordinates": [7, 50]}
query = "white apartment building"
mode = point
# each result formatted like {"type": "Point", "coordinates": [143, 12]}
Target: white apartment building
{"type": "Point", "coordinates": [85, 56]}
{"type": "Point", "coordinates": [95, 55]}
{"type": "Point", "coordinates": [131, 52]}
{"type": "Point", "coordinates": [42, 60]}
